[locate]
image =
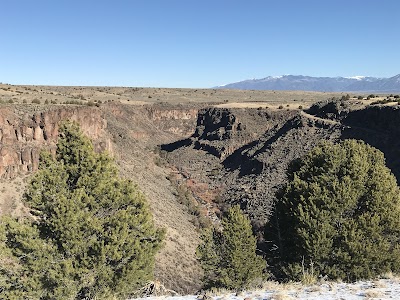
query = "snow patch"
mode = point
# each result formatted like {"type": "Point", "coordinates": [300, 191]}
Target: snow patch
{"type": "Point", "coordinates": [377, 289]}
{"type": "Point", "coordinates": [356, 77]}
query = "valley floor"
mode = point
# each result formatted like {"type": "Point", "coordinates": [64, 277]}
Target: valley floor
{"type": "Point", "coordinates": [377, 289]}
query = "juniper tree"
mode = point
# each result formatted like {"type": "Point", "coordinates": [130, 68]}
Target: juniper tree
{"type": "Point", "coordinates": [340, 212]}
{"type": "Point", "coordinates": [228, 257]}
{"type": "Point", "coordinates": [92, 233]}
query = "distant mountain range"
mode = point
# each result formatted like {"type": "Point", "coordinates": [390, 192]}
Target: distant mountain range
{"type": "Point", "coordinates": [320, 84]}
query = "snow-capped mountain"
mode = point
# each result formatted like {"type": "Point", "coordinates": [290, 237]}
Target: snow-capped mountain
{"type": "Point", "coordinates": [320, 84]}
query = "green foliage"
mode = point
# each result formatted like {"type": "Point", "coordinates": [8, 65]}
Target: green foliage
{"type": "Point", "coordinates": [228, 257]}
{"type": "Point", "coordinates": [93, 234]}
{"type": "Point", "coordinates": [339, 211]}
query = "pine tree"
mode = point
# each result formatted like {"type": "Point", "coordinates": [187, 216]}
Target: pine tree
{"type": "Point", "coordinates": [93, 233]}
{"type": "Point", "coordinates": [339, 212]}
{"type": "Point", "coordinates": [228, 257]}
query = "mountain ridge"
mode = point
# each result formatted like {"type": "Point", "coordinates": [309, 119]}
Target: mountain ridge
{"type": "Point", "coordinates": [319, 84]}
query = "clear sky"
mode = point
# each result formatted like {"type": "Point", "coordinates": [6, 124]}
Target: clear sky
{"type": "Point", "coordinates": [194, 43]}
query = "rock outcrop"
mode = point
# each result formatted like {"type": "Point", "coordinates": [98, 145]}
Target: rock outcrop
{"type": "Point", "coordinates": [247, 152]}
{"type": "Point", "coordinates": [22, 137]}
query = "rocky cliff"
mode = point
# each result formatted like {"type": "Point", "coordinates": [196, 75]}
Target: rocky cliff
{"type": "Point", "coordinates": [263, 142]}
{"type": "Point", "coordinates": [23, 136]}
{"type": "Point", "coordinates": [378, 126]}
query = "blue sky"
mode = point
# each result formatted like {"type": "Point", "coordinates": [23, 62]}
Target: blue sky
{"type": "Point", "coordinates": [194, 43]}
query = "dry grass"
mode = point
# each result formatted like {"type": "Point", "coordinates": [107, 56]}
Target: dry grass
{"type": "Point", "coordinates": [373, 294]}
{"type": "Point", "coordinates": [281, 295]}
{"type": "Point", "coordinates": [142, 96]}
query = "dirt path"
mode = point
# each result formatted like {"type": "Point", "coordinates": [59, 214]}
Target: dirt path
{"type": "Point", "coordinates": [328, 121]}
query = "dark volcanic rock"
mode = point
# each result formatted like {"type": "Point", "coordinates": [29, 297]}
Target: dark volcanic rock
{"type": "Point", "coordinates": [378, 126]}
{"type": "Point", "coordinates": [249, 164]}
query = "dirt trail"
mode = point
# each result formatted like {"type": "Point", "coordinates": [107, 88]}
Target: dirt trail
{"type": "Point", "coordinates": [328, 121]}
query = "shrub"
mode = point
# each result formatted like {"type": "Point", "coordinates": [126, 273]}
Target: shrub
{"type": "Point", "coordinates": [228, 257]}
{"type": "Point", "coordinates": [36, 101]}
{"type": "Point", "coordinates": [92, 235]}
{"type": "Point", "coordinates": [280, 107]}
{"type": "Point", "coordinates": [340, 211]}
{"type": "Point", "coordinates": [384, 101]}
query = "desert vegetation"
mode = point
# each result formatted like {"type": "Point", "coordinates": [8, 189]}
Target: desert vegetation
{"type": "Point", "coordinates": [228, 254]}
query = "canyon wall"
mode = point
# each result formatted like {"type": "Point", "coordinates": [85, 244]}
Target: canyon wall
{"type": "Point", "coordinates": [24, 135]}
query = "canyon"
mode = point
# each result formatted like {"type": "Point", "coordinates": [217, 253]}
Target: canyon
{"type": "Point", "coordinates": [219, 152]}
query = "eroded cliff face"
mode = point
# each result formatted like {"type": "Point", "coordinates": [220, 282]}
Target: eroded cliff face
{"type": "Point", "coordinates": [177, 120]}
{"type": "Point", "coordinates": [23, 136]}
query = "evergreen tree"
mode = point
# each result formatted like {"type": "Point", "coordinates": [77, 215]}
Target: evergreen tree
{"type": "Point", "coordinates": [339, 212]}
{"type": "Point", "coordinates": [92, 234]}
{"type": "Point", "coordinates": [228, 257]}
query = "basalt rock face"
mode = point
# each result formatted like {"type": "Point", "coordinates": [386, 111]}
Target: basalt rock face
{"type": "Point", "coordinates": [176, 120]}
{"type": "Point", "coordinates": [332, 110]}
{"type": "Point", "coordinates": [221, 131]}
{"type": "Point", "coordinates": [150, 124]}
{"type": "Point", "coordinates": [22, 137]}
{"type": "Point", "coordinates": [378, 126]}
{"type": "Point", "coordinates": [242, 153]}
